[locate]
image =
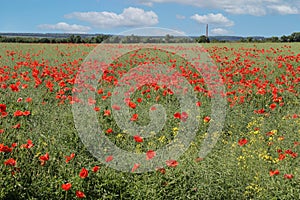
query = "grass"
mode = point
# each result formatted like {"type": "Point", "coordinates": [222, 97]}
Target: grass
{"type": "Point", "coordinates": [255, 77]}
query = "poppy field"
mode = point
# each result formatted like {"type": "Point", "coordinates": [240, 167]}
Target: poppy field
{"type": "Point", "coordinates": [255, 156]}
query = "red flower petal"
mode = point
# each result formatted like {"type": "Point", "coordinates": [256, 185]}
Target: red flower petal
{"type": "Point", "coordinates": [138, 138]}
{"type": "Point", "coordinates": [135, 166]}
{"type": "Point", "coordinates": [109, 158]}
{"type": "Point", "coordinates": [66, 186]}
{"type": "Point", "coordinates": [171, 163]}
{"type": "Point", "coordinates": [288, 176]}
{"type": "Point", "coordinates": [83, 173]}
{"type": "Point", "coordinates": [275, 172]}
{"type": "Point", "coordinates": [150, 154]}
{"type": "Point", "coordinates": [80, 194]}
{"type": "Point", "coordinates": [10, 162]}
{"type": "Point", "coordinates": [242, 142]}
{"type": "Point", "coordinates": [96, 168]}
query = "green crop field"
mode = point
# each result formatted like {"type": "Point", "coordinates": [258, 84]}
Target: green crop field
{"type": "Point", "coordinates": [43, 156]}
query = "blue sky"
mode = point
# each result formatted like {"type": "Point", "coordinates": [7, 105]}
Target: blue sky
{"type": "Point", "coordinates": [225, 17]}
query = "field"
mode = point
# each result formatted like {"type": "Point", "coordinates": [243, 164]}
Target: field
{"type": "Point", "coordinates": [49, 144]}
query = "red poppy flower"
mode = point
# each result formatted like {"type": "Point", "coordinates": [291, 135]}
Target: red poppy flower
{"type": "Point", "coordinates": [10, 162]}
{"type": "Point", "coordinates": [17, 126]}
{"type": "Point", "coordinates": [242, 141]}
{"type": "Point", "coordinates": [138, 138]}
{"type": "Point", "coordinates": [288, 151]}
{"type": "Point", "coordinates": [261, 111]}
{"type": "Point", "coordinates": [2, 108]}
{"type": "Point", "coordinates": [108, 131]}
{"type": "Point", "coordinates": [68, 158]}
{"type": "Point", "coordinates": [80, 194]}
{"type": "Point", "coordinates": [97, 109]}
{"type": "Point", "coordinates": [272, 106]}
{"type": "Point", "coordinates": [106, 112]}
{"type": "Point", "coordinates": [28, 100]}
{"type": "Point", "coordinates": [184, 116]}
{"type": "Point", "coordinates": [5, 149]}
{"type": "Point", "coordinates": [100, 91]}
{"type": "Point", "coordinates": [171, 163]}
{"type": "Point", "coordinates": [66, 186]}
{"type": "Point", "coordinates": [150, 154]}
{"type": "Point", "coordinates": [1, 131]}
{"type": "Point", "coordinates": [288, 176]}
{"type": "Point", "coordinates": [295, 116]}
{"type": "Point", "coordinates": [83, 173]}
{"type": "Point", "coordinates": [14, 87]}
{"type": "Point", "coordinates": [177, 115]}
{"type": "Point", "coordinates": [161, 170]}
{"type": "Point", "coordinates": [26, 113]}
{"type": "Point", "coordinates": [44, 158]}
{"type": "Point", "coordinates": [18, 113]}
{"type": "Point", "coordinates": [132, 105]}
{"type": "Point", "coordinates": [206, 119]}
{"type": "Point", "coordinates": [13, 145]}
{"type": "Point", "coordinates": [116, 107]}
{"type": "Point", "coordinates": [28, 145]}
{"type": "Point", "coordinates": [3, 114]}
{"type": "Point", "coordinates": [135, 166]}
{"type": "Point", "coordinates": [96, 168]}
{"type": "Point", "coordinates": [294, 155]}
{"type": "Point", "coordinates": [109, 158]}
{"type": "Point", "coordinates": [198, 104]}
{"type": "Point", "coordinates": [134, 117]}
{"type": "Point", "coordinates": [275, 172]}
{"type": "Point", "coordinates": [281, 156]}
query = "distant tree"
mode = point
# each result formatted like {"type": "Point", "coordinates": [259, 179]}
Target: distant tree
{"type": "Point", "coordinates": [243, 40]}
{"type": "Point", "coordinates": [44, 40]}
{"type": "Point", "coordinates": [71, 39]}
{"type": "Point", "coordinates": [274, 39]}
{"type": "Point", "coordinates": [78, 39]}
{"type": "Point", "coordinates": [203, 39]}
{"type": "Point", "coordinates": [284, 38]}
{"type": "Point", "coordinates": [53, 40]}
{"type": "Point", "coordinates": [169, 38]}
{"type": "Point", "coordinates": [295, 37]}
{"type": "Point", "coordinates": [249, 39]}
{"type": "Point", "coordinates": [116, 39]}
{"type": "Point", "coordinates": [99, 39]}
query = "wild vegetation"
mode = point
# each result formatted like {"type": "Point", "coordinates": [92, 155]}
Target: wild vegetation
{"type": "Point", "coordinates": [256, 155]}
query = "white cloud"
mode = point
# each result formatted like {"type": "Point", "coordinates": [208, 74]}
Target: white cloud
{"type": "Point", "coordinates": [145, 3]}
{"type": "Point", "coordinates": [153, 31]}
{"type": "Point", "coordinates": [245, 9]}
{"type": "Point", "coordinates": [219, 31]}
{"type": "Point", "coordinates": [62, 26]}
{"type": "Point", "coordinates": [284, 9]}
{"type": "Point", "coordinates": [180, 17]}
{"type": "Point", "coordinates": [213, 19]}
{"type": "Point", "coordinates": [251, 7]}
{"type": "Point", "coordinates": [130, 17]}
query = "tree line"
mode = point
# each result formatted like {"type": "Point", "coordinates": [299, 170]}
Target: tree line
{"type": "Point", "coordinates": [294, 37]}
{"type": "Point", "coordinates": [77, 39]}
